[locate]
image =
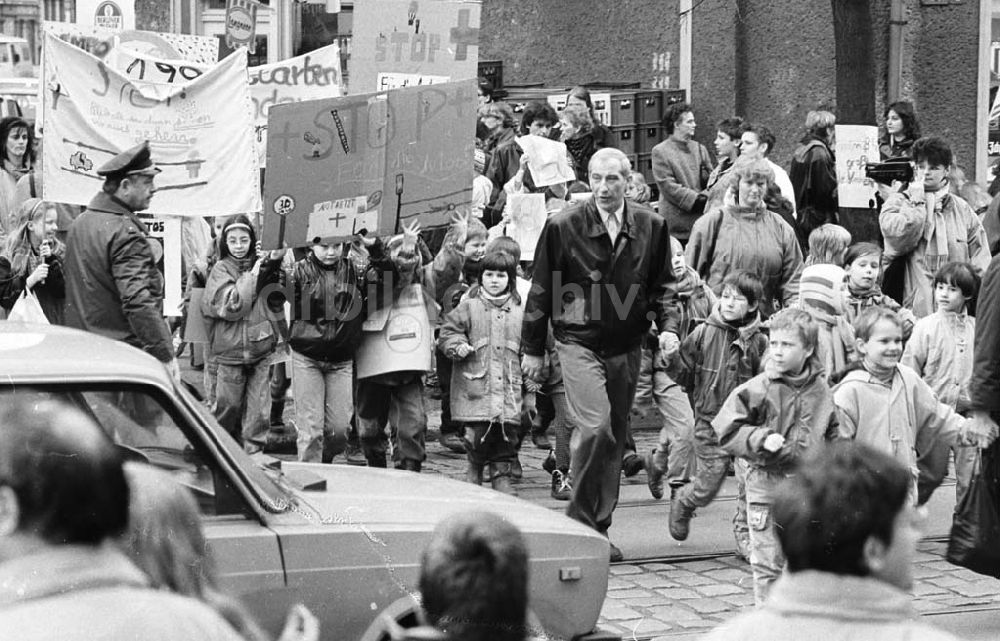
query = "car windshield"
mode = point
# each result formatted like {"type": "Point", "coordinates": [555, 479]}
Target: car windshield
{"type": "Point", "coordinates": [150, 428]}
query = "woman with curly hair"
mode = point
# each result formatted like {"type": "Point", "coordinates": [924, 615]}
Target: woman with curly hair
{"type": "Point", "coordinates": [32, 260]}
{"type": "Point", "coordinates": [17, 158]}
{"type": "Point", "coordinates": [901, 130]}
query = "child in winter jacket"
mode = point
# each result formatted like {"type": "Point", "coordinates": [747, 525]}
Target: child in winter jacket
{"type": "Point", "coordinates": [717, 357]}
{"type": "Point", "coordinates": [887, 405]}
{"type": "Point", "coordinates": [774, 420]}
{"type": "Point", "coordinates": [483, 336]}
{"type": "Point", "coordinates": [863, 264]}
{"type": "Point", "coordinates": [332, 289]}
{"type": "Point", "coordinates": [821, 293]}
{"type": "Point", "coordinates": [940, 350]}
{"type": "Point", "coordinates": [454, 269]}
{"type": "Point", "coordinates": [673, 455]}
{"type": "Point", "coordinates": [239, 310]}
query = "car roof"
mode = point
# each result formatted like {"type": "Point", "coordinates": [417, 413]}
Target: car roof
{"type": "Point", "coordinates": [51, 353]}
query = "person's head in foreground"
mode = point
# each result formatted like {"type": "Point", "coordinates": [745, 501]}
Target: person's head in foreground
{"type": "Point", "coordinates": [848, 511]}
{"type": "Point", "coordinates": [61, 480]}
{"type": "Point", "coordinates": [474, 579]}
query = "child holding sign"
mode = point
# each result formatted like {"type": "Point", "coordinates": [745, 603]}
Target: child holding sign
{"type": "Point", "coordinates": [240, 332]}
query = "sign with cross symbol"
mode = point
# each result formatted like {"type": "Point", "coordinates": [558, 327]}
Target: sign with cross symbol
{"type": "Point", "coordinates": [419, 41]}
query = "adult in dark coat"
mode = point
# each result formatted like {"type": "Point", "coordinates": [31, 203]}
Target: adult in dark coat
{"type": "Point", "coordinates": [813, 173]}
{"type": "Point", "coordinates": [602, 273]}
{"type": "Point", "coordinates": [113, 287]}
{"type": "Point", "coordinates": [984, 388]}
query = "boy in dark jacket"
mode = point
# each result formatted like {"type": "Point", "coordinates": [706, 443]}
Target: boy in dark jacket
{"type": "Point", "coordinates": [332, 287]}
{"type": "Point", "coordinates": [773, 421]}
{"type": "Point", "coordinates": [718, 356]}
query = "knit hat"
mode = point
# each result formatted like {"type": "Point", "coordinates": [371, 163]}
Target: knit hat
{"type": "Point", "coordinates": [476, 230]}
{"type": "Point", "coordinates": [821, 289]}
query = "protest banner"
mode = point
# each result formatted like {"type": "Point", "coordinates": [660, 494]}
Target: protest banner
{"type": "Point", "coordinates": [371, 161]}
{"type": "Point", "coordinates": [527, 217]}
{"type": "Point", "coordinates": [109, 15]}
{"type": "Point", "coordinates": [856, 146]}
{"type": "Point", "coordinates": [397, 43]}
{"type": "Point", "coordinates": [307, 77]}
{"type": "Point", "coordinates": [200, 133]}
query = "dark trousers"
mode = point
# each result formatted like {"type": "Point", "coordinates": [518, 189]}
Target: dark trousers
{"type": "Point", "coordinates": [599, 392]}
{"type": "Point", "coordinates": [444, 367]}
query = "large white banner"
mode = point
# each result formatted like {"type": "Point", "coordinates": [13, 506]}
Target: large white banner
{"type": "Point", "coordinates": [311, 76]}
{"type": "Point", "coordinates": [201, 132]}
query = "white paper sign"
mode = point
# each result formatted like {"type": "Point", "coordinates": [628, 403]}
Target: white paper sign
{"type": "Point", "coordinates": [856, 146]}
{"type": "Point", "coordinates": [527, 217]}
{"type": "Point", "coordinates": [548, 160]}
{"type": "Point", "coordinates": [200, 132]}
{"type": "Point", "coordinates": [344, 217]}
{"type": "Point", "coordinates": [165, 241]}
{"type": "Point", "coordinates": [387, 80]}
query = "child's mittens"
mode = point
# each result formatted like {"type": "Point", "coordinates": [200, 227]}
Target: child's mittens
{"type": "Point", "coordinates": [463, 351]}
{"type": "Point", "coordinates": [765, 441]}
{"type": "Point", "coordinates": [978, 433]}
{"type": "Point", "coordinates": [532, 386]}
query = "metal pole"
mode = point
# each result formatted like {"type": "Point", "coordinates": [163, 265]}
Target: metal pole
{"type": "Point", "coordinates": [897, 20]}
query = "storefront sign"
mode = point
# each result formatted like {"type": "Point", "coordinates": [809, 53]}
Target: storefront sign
{"type": "Point", "coordinates": [241, 24]}
{"type": "Point", "coordinates": [106, 15]}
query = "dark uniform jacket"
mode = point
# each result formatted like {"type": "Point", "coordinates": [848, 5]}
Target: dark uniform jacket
{"type": "Point", "coordinates": [113, 287]}
{"type": "Point", "coordinates": [598, 296]}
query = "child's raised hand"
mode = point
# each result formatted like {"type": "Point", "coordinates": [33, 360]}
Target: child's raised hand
{"type": "Point", "coordinates": [410, 233]}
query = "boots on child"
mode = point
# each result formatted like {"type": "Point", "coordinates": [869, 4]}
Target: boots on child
{"type": "Point", "coordinates": [500, 477]}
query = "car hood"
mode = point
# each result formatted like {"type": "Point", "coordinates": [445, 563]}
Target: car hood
{"type": "Point", "coordinates": [386, 498]}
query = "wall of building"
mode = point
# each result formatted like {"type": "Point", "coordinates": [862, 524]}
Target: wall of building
{"type": "Point", "coordinates": [769, 61]}
{"type": "Point", "coordinates": [567, 42]}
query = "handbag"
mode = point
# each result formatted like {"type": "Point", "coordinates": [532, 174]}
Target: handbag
{"type": "Point", "coordinates": [975, 527]}
{"type": "Point", "coordinates": [27, 310]}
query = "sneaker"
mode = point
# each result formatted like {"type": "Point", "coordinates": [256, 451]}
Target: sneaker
{"type": "Point", "coordinates": [541, 441]}
{"type": "Point", "coordinates": [615, 555]}
{"type": "Point", "coordinates": [549, 464]}
{"type": "Point", "coordinates": [354, 455]}
{"type": "Point", "coordinates": [632, 465]}
{"type": "Point", "coordinates": [561, 486]}
{"type": "Point", "coordinates": [654, 477]}
{"type": "Point", "coordinates": [452, 441]}
{"type": "Point", "coordinates": [680, 519]}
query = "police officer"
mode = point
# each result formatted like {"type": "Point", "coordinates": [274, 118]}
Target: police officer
{"type": "Point", "coordinates": [113, 287]}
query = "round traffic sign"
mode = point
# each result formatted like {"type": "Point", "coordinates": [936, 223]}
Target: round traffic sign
{"type": "Point", "coordinates": [283, 205]}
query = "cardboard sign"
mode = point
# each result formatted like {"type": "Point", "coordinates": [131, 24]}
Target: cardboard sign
{"type": "Point", "coordinates": [856, 146]}
{"type": "Point", "coordinates": [201, 133]}
{"type": "Point", "coordinates": [165, 241]}
{"type": "Point", "coordinates": [107, 15]}
{"type": "Point", "coordinates": [527, 217]}
{"type": "Point", "coordinates": [241, 24]}
{"type": "Point", "coordinates": [374, 161]}
{"type": "Point", "coordinates": [410, 39]}
{"type": "Point", "coordinates": [311, 76]}
{"type": "Point", "coordinates": [401, 339]}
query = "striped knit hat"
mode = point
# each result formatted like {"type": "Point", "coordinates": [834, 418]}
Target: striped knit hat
{"type": "Point", "coordinates": [821, 289]}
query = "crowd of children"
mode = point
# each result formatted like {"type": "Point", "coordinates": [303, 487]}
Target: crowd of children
{"type": "Point", "coordinates": [760, 377]}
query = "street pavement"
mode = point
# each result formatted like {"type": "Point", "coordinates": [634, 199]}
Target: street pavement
{"type": "Point", "coordinates": [677, 591]}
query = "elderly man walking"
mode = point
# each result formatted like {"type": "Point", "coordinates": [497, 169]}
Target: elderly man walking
{"type": "Point", "coordinates": [113, 287]}
{"type": "Point", "coordinates": [602, 273]}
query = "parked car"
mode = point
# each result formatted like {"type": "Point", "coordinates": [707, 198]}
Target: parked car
{"type": "Point", "coordinates": [344, 540]}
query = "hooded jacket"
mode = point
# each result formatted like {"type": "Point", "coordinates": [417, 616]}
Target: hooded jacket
{"type": "Point", "coordinates": [952, 233]}
{"type": "Point", "coordinates": [331, 302]}
{"type": "Point", "coordinates": [486, 384]}
{"type": "Point", "coordinates": [904, 419]}
{"type": "Point", "coordinates": [113, 287]}
{"type": "Point", "coordinates": [940, 351]}
{"type": "Point", "coordinates": [799, 408]}
{"type": "Point", "coordinates": [716, 358]}
{"type": "Point", "coordinates": [820, 605]}
{"type": "Point", "coordinates": [758, 241]}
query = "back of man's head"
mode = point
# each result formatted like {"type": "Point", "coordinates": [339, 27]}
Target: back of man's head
{"type": "Point", "coordinates": [65, 477]}
{"type": "Point", "coordinates": [474, 579]}
{"type": "Point", "coordinates": [843, 496]}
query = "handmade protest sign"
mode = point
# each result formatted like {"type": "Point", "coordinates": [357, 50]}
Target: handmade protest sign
{"type": "Point", "coordinates": [548, 160]}
{"type": "Point", "coordinates": [527, 217]}
{"type": "Point", "coordinates": [306, 77]}
{"type": "Point", "coordinates": [372, 161]}
{"type": "Point", "coordinates": [201, 133]}
{"type": "Point", "coordinates": [857, 145]}
{"type": "Point", "coordinates": [397, 43]}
